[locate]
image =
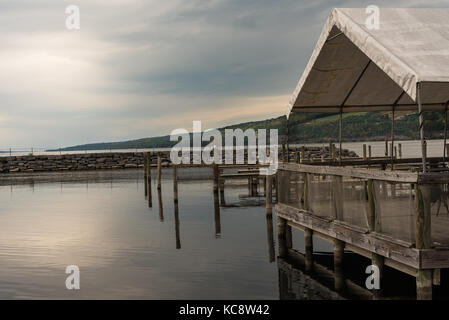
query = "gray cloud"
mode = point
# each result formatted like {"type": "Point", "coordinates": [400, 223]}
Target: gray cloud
{"type": "Point", "coordinates": [142, 68]}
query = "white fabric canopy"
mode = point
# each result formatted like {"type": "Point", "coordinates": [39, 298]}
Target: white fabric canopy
{"type": "Point", "coordinates": [356, 69]}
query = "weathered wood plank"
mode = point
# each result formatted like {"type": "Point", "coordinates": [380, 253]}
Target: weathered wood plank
{"type": "Point", "coordinates": [361, 173]}
{"type": "Point", "coordinates": [367, 241]}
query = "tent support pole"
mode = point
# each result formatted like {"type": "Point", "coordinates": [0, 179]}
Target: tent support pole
{"type": "Point", "coordinates": [344, 102]}
{"type": "Point", "coordinates": [286, 138]}
{"type": "Point", "coordinates": [392, 138]}
{"type": "Point", "coordinates": [340, 135]}
{"type": "Point", "coordinates": [395, 103]}
{"type": "Point", "coordinates": [445, 133]}
{"type": "Point", "coordinates": [421, 127]}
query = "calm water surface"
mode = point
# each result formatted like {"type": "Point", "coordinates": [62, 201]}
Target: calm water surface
{"type": "Point", "coordinates": [124, 249]}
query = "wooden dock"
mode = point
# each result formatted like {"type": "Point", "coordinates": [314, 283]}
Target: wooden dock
{"type": "Point", "coordinates": [395, 218]}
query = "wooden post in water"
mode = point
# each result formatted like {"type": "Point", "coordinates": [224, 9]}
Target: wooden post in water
{"type": "Point", "coordinates": [369, 152]}
{"type": "Point", "coordinates": [176, 206]}
{"type": "Point", "coordinates": [175, 184]}
{"type": "Point", "coordinates": [308, 243]}
{"type": "Point", "coordinates": [386, 147]}
{"type": "Point", "coordinates": [145, 172]}
{"type": "Point", "coordinates": [269, 197]}
{"type": "Point", "coordinates": [217, 216]}
{"type": "Point", "coordinates": [423, 239]}
{"type": "Point", "coordinates": [148, 179]}
{"type": "Point", "coordinates": [159, 171]}
{"type": "Point", "coordinates": [400, 150]}
{"type": "Point", "coordinates": [364, 151]}
{"type": "Point", "coordinates": [178, 238]}
{"type": "Point", "coordinates": [270, 238]}
{"type": "Point", "coordinates": [216, 201]}
{"type": "Point", "coordinates": [161, 209]}
{"type": "Point", "coordinates": [282, 224]}
{"type": "Point", "coordinates": [221, 186]}
{"type": "Point", "coordinates": [339, 280]}
{"type": "Point", "coordinates": [215, 177]}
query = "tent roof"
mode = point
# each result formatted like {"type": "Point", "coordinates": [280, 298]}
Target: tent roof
{"type": "Point", "coordinates": [356, 69]}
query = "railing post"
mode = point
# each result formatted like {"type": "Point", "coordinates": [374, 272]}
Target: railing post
{"type": "Point", "coordinates": [371, 206]}
{"type": "Point", "coordinates": [306, 192]}
{"type": "Point", "coordinates": [337, 195]}
{"type": "Point", "coordinates": [376, 259]}
{"type": "Point", "coordinates": [423, 239]}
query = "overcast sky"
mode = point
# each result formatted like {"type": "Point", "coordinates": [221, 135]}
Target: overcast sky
{"type": "Point", "coordinates": [143, 68]}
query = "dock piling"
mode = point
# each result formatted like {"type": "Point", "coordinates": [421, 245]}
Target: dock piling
{"type": "Point", "coordinates": [308, 243]}
{"type": "Point", "coordinates": [148, 180]}
{"type": "Point", "coordinates": [339, 249]}
{"type": "Point", "coordinates": [145, 172]}
{"type": "Point", "coordinates": [423, 239]}
{"type": "Point", "coordinates": [282, 224]}
{"type": "Point", "coordinates": [175, 184]}
{"type": "Point", "coordinates": [269, 196]}
{"type": "Point", "coordinates": [378, 261]}
{"type": "Point", "coordinates": [159, 171]}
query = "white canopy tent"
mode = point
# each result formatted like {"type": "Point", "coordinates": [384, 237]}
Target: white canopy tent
{"type": "Point", "coordinates": [356, 69]}
{"type": "Point", "coordinates": [401, 66]}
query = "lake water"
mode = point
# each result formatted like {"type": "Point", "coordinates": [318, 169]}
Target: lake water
{"type": "Point", "coordinates": [101, 222]}
{"type": "Point", "coordinates": [124, 249]}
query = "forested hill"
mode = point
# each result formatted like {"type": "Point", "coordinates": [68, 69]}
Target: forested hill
{"type": "Point", "coordinates": [311, 127]}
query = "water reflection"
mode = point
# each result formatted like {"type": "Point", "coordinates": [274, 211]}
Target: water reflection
{"type": "Point", "coordinates": [217, 216]}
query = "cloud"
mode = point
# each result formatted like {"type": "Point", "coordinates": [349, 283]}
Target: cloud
{"type": "Point", "coordinates": [142, 68]}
